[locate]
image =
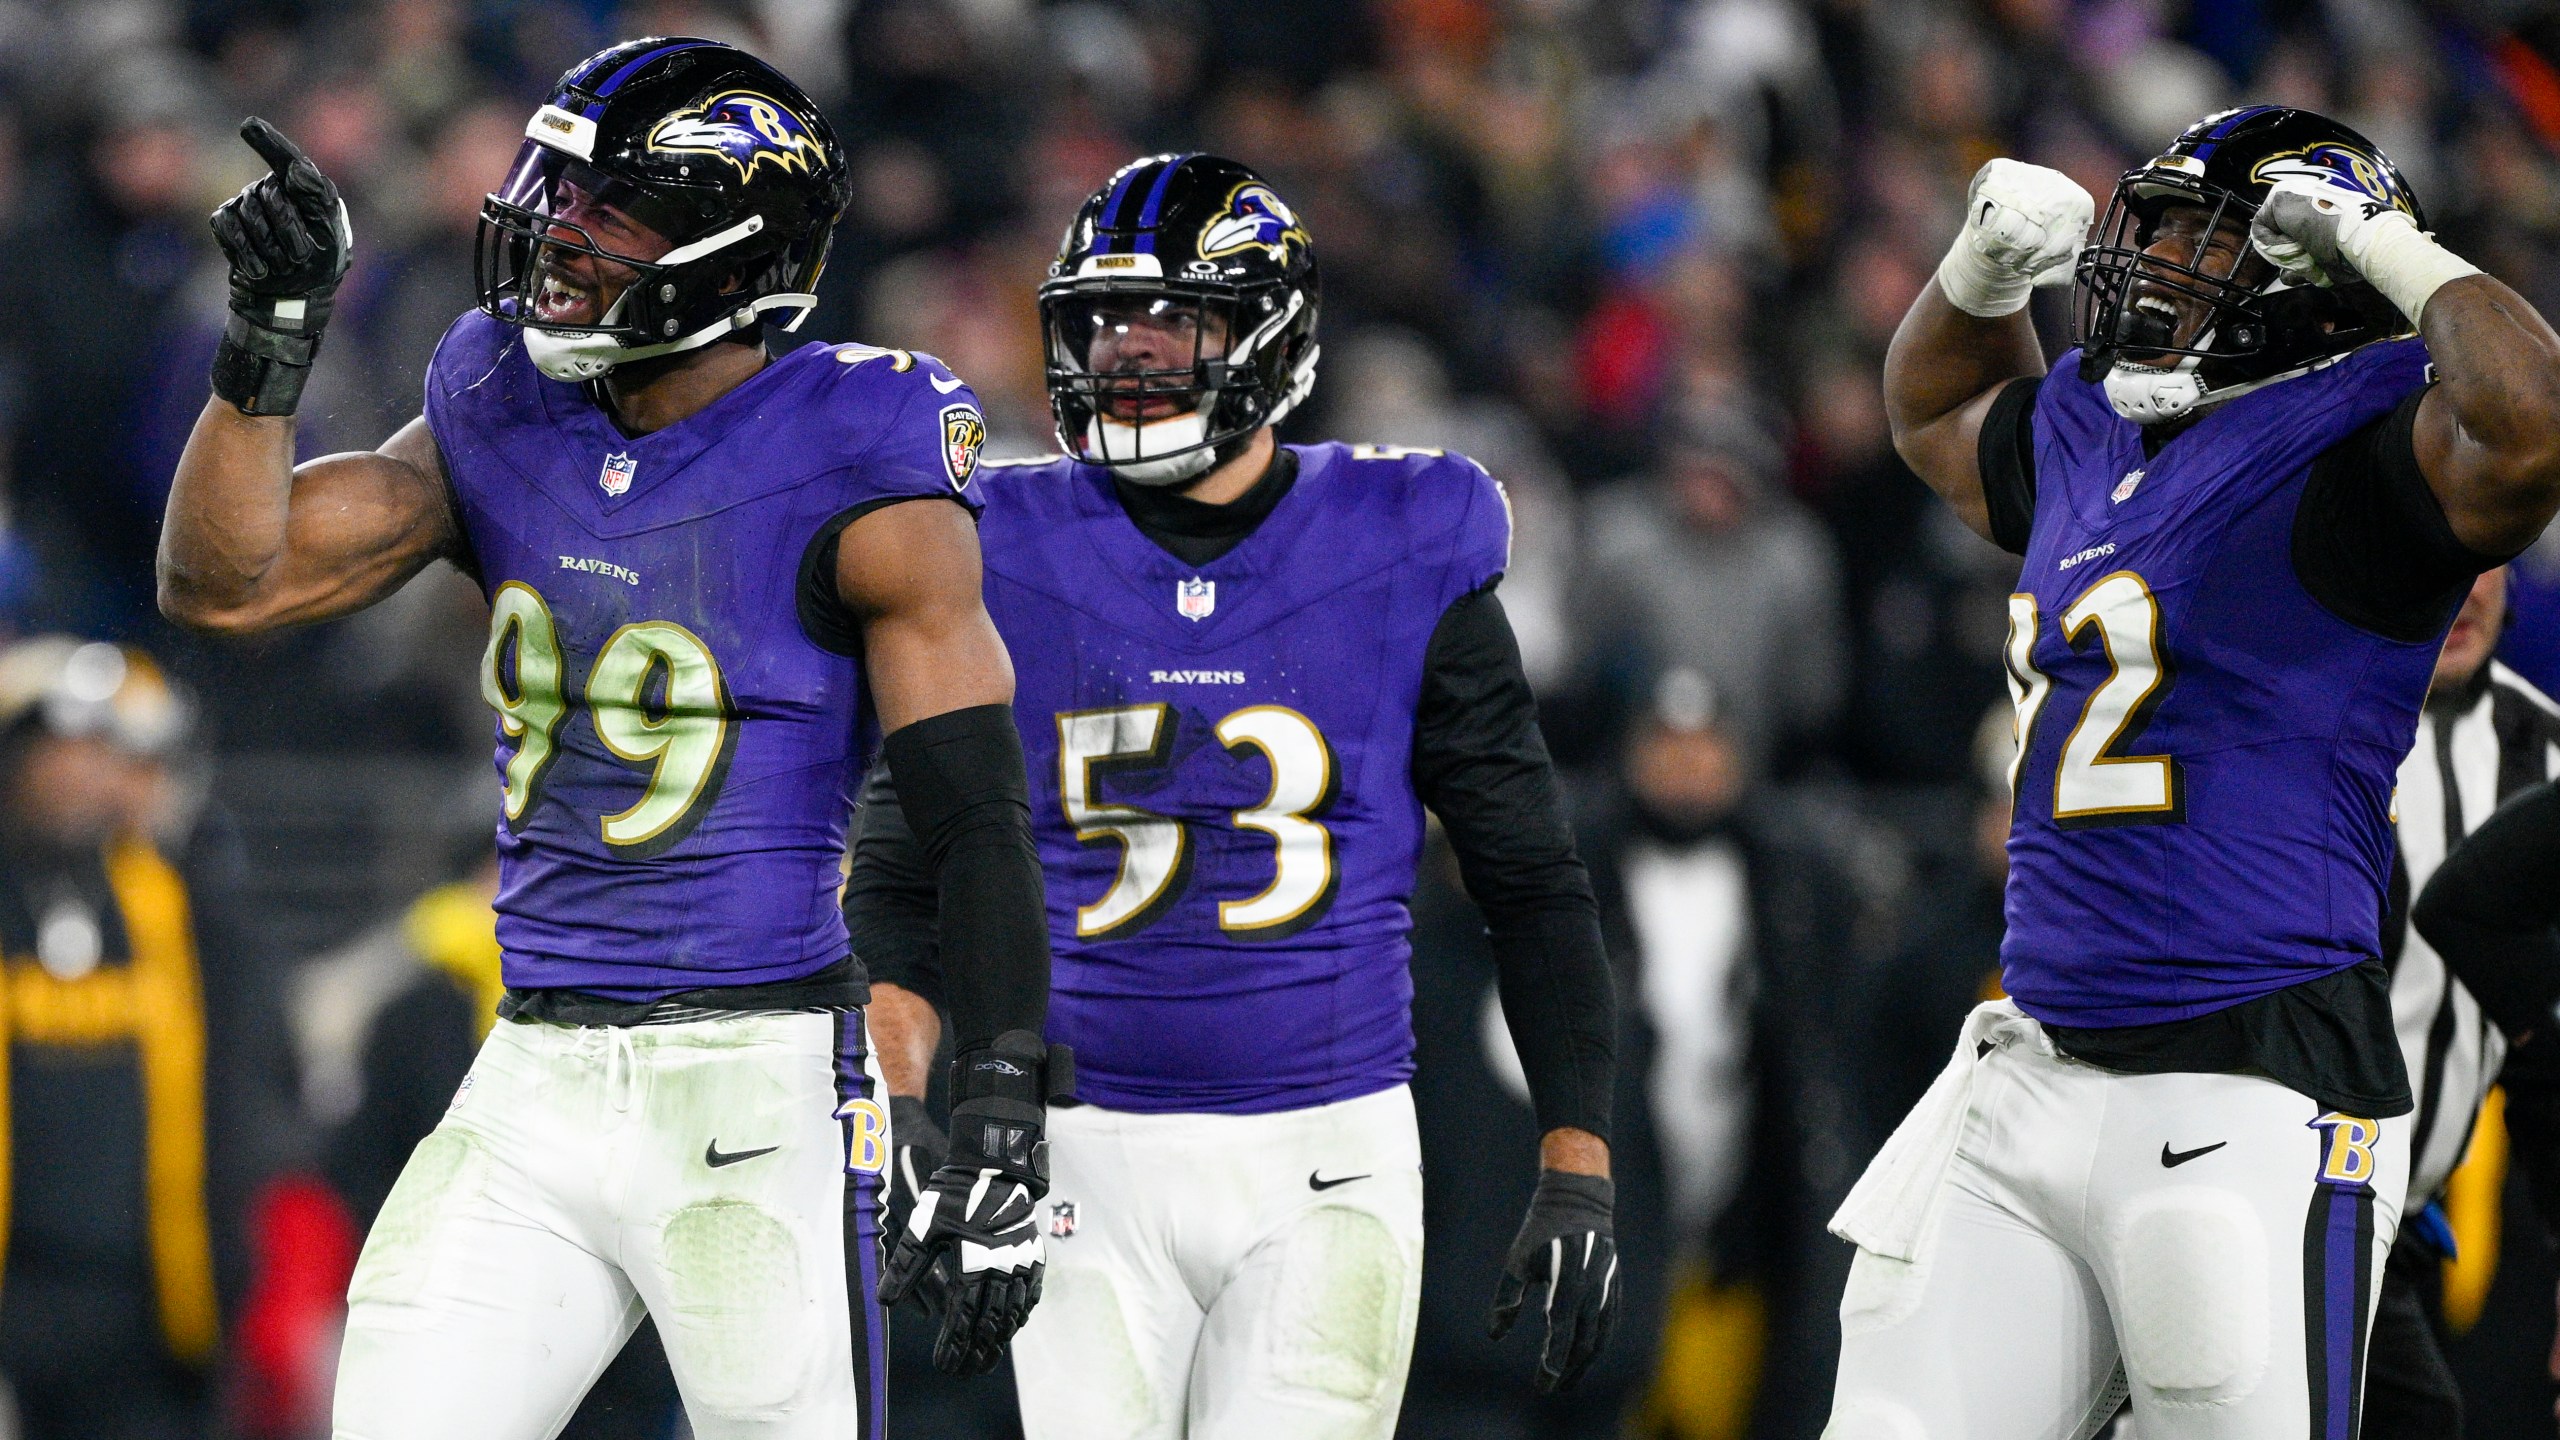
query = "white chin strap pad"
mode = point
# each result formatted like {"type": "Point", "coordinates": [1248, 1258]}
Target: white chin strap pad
{"type": "Point", "coordinates": [1178, 439]}
{"type": "Point", "coordinates": [2147, 396]}
{"type": "Point", "coordinates": [580, 355]}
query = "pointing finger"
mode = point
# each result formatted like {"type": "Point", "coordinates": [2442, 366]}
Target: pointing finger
{"type": "Point", "coordinates": [280, 153]}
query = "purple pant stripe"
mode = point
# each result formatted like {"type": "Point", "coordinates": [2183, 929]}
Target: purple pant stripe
{"type": "Point", "coordinates": [862, 1240]}
{"type": "Point", "coordinates": [2344, 1315]}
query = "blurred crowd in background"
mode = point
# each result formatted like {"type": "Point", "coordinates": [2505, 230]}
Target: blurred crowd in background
{"type": "Point", "coordinates": [1639, 257]}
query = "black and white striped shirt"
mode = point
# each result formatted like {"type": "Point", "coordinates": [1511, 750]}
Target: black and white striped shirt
{"type": "Point", "coordinates": [2475, 747]}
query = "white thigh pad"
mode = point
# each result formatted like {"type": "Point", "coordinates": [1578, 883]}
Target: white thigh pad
{"type": "Point", "coordinates": [445, 1174]}
{"type": "Point", "coordinates": [1080, 1316]}
{"type": "Point", "coordinates": [736, 1305]}
{"type": "Point", "coordinates": [1341, 1303]}
{"type": "Point", "coordinates": [2191, 1283]}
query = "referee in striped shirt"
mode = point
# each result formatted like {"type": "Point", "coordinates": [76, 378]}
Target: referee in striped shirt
{"type": "Point", "coordinates": [2485, 734]}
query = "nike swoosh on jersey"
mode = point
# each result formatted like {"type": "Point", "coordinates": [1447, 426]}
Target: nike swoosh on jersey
{"type": "Point", "coordinates": [712, 1157]}
{"type": "Point", "coordinates": [1316, 1182]}
{"type": "Point", "coordinates": [956, 383]}
{"type": "Point", "coordinates": [2172, 1159]}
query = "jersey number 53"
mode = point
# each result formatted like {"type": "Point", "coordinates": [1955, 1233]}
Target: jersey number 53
{"type": "Point", "coordinates": [1155, 850]}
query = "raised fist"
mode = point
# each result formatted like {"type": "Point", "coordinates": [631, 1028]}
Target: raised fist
{"type": "Point", "coordinates": [2021, 223]}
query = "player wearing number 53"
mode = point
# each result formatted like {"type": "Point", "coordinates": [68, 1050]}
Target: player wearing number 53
{"type": "Point", "coordinates": [2168, 1168]}
{"type": "Point", "coordinates": [1246, 667]}
{"type": "Point", "coordinates": [700, 558]}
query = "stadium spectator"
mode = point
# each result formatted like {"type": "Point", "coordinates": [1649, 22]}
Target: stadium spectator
{"type": "Point", "coordinates": [148, 1106]}
{"type": "Point", "coordinates": [1707, 564]}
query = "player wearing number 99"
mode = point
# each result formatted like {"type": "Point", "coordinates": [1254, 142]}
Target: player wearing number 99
{"type": "Point", "coordinates": [704, 579]}
{"type": "Point", "coordinates": [2249, 505]}
{"type": "Point", "coordinates": [1246, 668]}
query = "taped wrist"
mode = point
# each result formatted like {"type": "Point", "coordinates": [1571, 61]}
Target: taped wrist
{"type": "Point", "coordinates": [262, 367]}
{"type": "Point", "coordinates": [2402, 261]}
{"type": "Point", "coordinates": [1976, 285]}
{"type": "Point", "coordinates": [962, 787]}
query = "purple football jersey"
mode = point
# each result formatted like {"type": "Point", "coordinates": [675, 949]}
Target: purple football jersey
{"type": "Point", "coordinates": [676, 753]}
{"type": "Point", "coordinates": [2204, 784]}
{"type": "Point", "coordinates": [1221, 769]}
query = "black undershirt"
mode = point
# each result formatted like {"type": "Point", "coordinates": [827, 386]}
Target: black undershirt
{"type": "Point", "coordinates": [2372, 546]}
{"type": "Point", "coordinates": [1479, 763]}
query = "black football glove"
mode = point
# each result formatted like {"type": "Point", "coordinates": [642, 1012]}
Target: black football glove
{"type": "Point", "coordinates": [1566, 1245]}
{"type": "Point", "coordinates": [289, 244]}
{"type": "Point", "coordinates": [978, 1210]}
{"type": "Point", "coordinates": [917, 1149]}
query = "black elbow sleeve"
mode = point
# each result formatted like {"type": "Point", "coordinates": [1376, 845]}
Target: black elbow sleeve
{"type": "Point", "coordinates": [963, 791]}
{"type": "Point", "coordinates": [1561, 1006]}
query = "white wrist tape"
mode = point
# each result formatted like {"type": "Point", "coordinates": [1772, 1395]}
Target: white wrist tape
{"type": "Point", "coordinates": [1977, 285]}
{"type": "Point", "coordinates": [2402, 261]}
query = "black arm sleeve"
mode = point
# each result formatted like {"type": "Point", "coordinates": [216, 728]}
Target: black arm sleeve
{"type": "Point", "coordinates": [2007, 455]}
{"type": "Point", "coordinates": [891, 900]}
{"type": "Point", "coordinates": [962, 787]}
{"type": "Point", "coordinates": [2370, 541]}
{"type": "Point", "coordinates": [1481, 765]}
{"type": "Point", "coordinates": [2490, 908]}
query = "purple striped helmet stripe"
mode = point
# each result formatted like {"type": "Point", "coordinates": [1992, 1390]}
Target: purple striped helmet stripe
{"type": "Point", "coordinates": [1155, 199]}
{"type": "Point", "coordinates": [1109, 216]}
{"type": "Point", "coordinates": [614, 81]}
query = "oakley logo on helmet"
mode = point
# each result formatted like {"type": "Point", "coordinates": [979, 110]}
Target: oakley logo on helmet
{"type": "Point", "coordinates": [1255, 219]}
{"type": "Point", "coordinates": [2335, 164]}
{"type": "Point", "coordinates": [744, 128]}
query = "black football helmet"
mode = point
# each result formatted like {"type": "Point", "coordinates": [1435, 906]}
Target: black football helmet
{"type": "Point", "coordinates": [700, 142]}
{"type": "Point", "coordinates": [2256, 329]}
{"type": "Point", "coordinates": [1179, 317]}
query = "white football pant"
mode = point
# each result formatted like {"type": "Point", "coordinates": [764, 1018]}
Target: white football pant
{"type": "Point", "coordinates": [2214, 1243]}
{"type": "Point", "coordinates": [1226, 1277]}
{"type": "Point", "coordinates": [695, 1172]}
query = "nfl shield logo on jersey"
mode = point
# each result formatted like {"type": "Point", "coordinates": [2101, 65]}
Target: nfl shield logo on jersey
{"type": "Point", "coordinates": [618, 470]}
{"type": "Point", "coordinates": [1062, 1219]}
{"type": "Point", "coordinates": [1194, 598]}
{"type": "Point", "coordinates": [2124, 488]}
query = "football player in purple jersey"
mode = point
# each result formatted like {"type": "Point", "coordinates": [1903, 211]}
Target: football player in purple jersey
{"type": "Point", "coordinates": [2169, 1166]}
{"type": "Point", "coordinates": [1245, 669]}
{"type": "Point", "coordinates": [707, 596]}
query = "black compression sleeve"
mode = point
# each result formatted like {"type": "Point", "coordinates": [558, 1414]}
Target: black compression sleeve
{"type": "Point", "coordinates": [891, 900]}
{"type": "Point", "coordinates": [2006, 454]}
{"type": "Point", "coordinates": [2490, 908]}
{"type": "Point", "coordinates": [2370, 541]}
{"type": "Point", "coordinates": [962, 787]}
{"type": "Point", "coordinates": [1481, 764]}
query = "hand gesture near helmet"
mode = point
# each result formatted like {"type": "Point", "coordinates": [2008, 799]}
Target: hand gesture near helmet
{"type": "Point", "coordinates": [2023, 226]}
{"type": "Point", "coordinates": [289, 244]}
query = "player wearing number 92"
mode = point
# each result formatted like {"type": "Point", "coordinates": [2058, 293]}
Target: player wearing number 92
{"type": "Point", "coordinates": [2249, 505]}
{"type": "Point", "coordinates": [1245, 668]}
{"type": "Point", "coordinates": [701, 560]}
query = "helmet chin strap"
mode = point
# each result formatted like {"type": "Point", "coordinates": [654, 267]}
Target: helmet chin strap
{"type": "Point", "coordinates": [2147, 396]}
{"type": "Point", "coordinates": [1184, 436]}
{"type": "Point", "coordinates": [585, 355]}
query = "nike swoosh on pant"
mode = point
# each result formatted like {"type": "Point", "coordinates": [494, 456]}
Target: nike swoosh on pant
{"type": "Point", "coordinates": [712, 1157]}
{"type": "Point", "coordinates": [2172, 1159]}
{"type": "Point", "coordinates": [1314, 1183]}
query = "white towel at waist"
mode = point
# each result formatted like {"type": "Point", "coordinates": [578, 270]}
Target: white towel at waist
{"type": "Point", "coordinates": [1888, 1210]}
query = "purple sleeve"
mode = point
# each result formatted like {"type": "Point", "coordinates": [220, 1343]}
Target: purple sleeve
{"type": "Point", "coordinates": [1480, 548]}
{"type": "Point", "coordinates": [928, 443]}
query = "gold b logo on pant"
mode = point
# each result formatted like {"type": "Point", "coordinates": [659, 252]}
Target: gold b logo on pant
{"type": "Point", "coordinates": [2346, 1148]}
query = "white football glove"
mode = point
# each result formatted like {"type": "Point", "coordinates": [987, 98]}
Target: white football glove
{"type": "Point", "coordinates": [2022, 224]}
{"type": "Point", "coordinates": [2326, 233]}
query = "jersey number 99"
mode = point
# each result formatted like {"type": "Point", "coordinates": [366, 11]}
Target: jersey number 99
{"type": "Point", "coordinates": [657, 698]}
